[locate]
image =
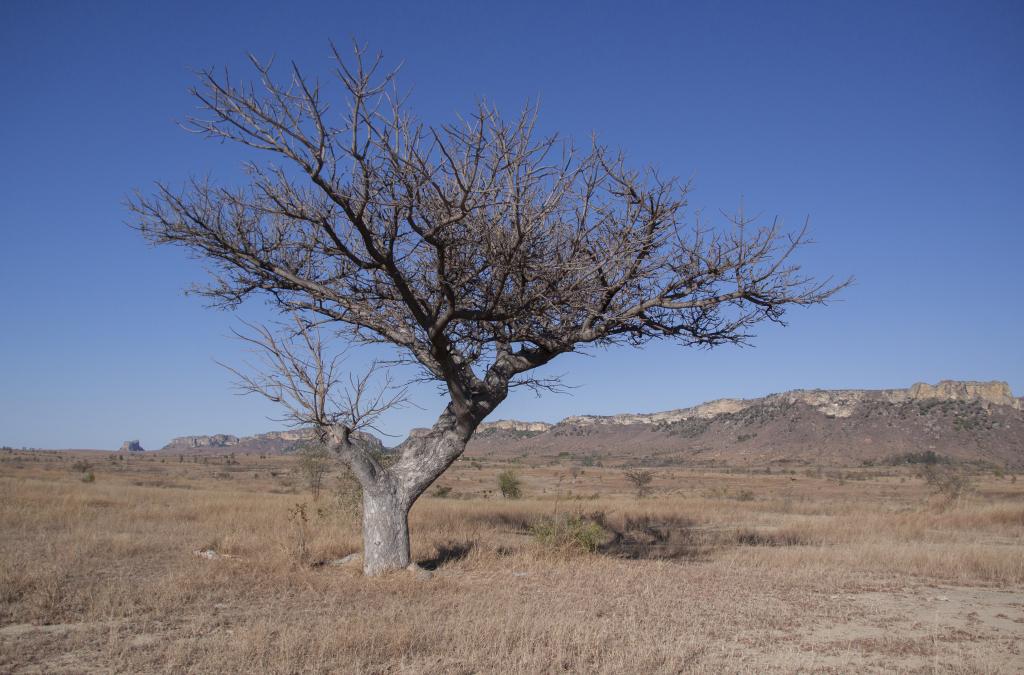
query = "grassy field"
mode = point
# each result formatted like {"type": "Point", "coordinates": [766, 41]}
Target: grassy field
{"type": "Point", "coordinates": [852, 570]}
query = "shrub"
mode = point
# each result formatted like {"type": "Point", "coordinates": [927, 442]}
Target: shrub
{"type": "Point", "coordinates": [569, 533]}
{"type": "Point", "coordinates": [510, 484]}
{"type": "Point", "coordinates": [88, 477]}
{"type": "Point", "coordinates": [442, 491]}
{"type": "Point", "coordinates": [641, 479]}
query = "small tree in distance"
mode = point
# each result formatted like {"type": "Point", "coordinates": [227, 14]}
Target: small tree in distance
{"type": "Point", "coordinates": [315, 462]}
{"type": "Point", "coordinates": [477, 250]}
{"type": "Point", "coordinates": [640, 479]}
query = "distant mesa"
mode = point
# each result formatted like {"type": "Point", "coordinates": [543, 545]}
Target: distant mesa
{"type": "Point", "coordinates": [132, 446]}
{"type": "Point", "coordinates": [962, 420]}
{"type": "Point", "coordinates": [273, 442]}
{"type": "Point", "coordinates": [515, 426]}
{"type": "Point", "coordinates": [832, 402]}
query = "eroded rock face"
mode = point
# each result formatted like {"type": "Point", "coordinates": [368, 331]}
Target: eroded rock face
{"type": "Point", "coordinates": [514, 425]}
{"type": "Point", "coordinates": [995, 392]}
{"type": "Point", "coordinates": [831, 402]}
{"type": "Point", "coordinates": [965, 421]}
{"type": "Point", "coordinates": [132, 446]}
{"type": "Point", "coordinates": [270, 442]}
{"type": "Point", "coordinates": [702, 411]}
{"type": "Point", "coordinates": [214, 441]}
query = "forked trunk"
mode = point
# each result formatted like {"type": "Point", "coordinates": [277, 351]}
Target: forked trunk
{"type": "Point", "coordinates": [385, 531]}
{"type": "Point", "coordinates": [388, 494]}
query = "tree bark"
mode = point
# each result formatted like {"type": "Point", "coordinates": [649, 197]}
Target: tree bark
{"type": "Point", "coordinates": [385, 530]}
{"type": "Point", "coordinates": [388, 494]}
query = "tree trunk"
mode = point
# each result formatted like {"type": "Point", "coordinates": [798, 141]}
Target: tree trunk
{"type": "Point", "coordinates": [385, 530]}
{"type": "Point", "coordinates": [388, 494]}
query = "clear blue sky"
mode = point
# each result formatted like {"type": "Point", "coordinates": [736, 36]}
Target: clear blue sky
{"type": "Point", "coordinates": [897, 127]}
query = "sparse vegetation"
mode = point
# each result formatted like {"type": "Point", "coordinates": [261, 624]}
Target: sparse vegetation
{"type": "Point", "coordinates": [925, 457]}
{"type": "Point", "coordinates": [518, 584]}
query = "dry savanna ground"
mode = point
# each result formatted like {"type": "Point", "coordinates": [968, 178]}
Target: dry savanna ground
{"type": "Point", "coordinates": [835, 571]}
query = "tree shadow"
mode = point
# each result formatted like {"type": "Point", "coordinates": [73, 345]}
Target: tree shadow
{"type": "Point", "coordinates": [670, 538]}
{"type": "Point", "coordinates": [446, 553]}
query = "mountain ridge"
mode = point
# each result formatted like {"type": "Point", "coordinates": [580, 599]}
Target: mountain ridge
{"type": "Point", "coordinates": [963, 420]}
{"type": "Point", "coordinates": [271, 442]}
{"type": "Point", "coordinates": [994, 392]}
{"type": "Point", "coordinates": [960, 420]}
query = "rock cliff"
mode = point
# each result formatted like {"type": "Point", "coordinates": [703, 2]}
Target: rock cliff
{"type": "Point", "coordinates": [967, 421]}
{"type": "Point", "coordinates": [270, 442]}
{"type": "Point", "coordinates": [832, 402]}
{"type": "Point", "coordinates": [514, 425]}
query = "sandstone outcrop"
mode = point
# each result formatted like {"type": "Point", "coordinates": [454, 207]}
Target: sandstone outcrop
{"type": "Point", "coordinates": [833, 402]}
{"type": "Point", "coordinates": [214, 441]}
{"type": "Point", "coordinates": [514, 425]}
{"type": "Point", "coordinates": [131, 446]}
{"type": "Point", "coordinates": [271, 442]}
{"type": "Point", "coordinates": [979, 422]}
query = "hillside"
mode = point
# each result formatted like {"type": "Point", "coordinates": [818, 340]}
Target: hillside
{"type": "Point", "coordinates": [966, 421]}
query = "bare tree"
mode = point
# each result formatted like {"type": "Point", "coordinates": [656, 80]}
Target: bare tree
{"type": "Point", "coordinates": [477, 249]}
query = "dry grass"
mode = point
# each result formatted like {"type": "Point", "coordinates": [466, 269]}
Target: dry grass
{"type": "Point", "coordinates": [715, 571]}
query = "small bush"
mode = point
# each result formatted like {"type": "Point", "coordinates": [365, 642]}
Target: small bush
{"type": "Point", "coordinates": [569, 533]}
{"type": "Point", "coordinates": [88, 477]}
{"type": "Point", "coordinates": [510, 485]}
{"type": "Point", "coordinates": [442, 491]}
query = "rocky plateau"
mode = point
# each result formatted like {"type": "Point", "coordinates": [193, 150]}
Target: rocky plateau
{"type": "Point", "coordinates": [967, 421]}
